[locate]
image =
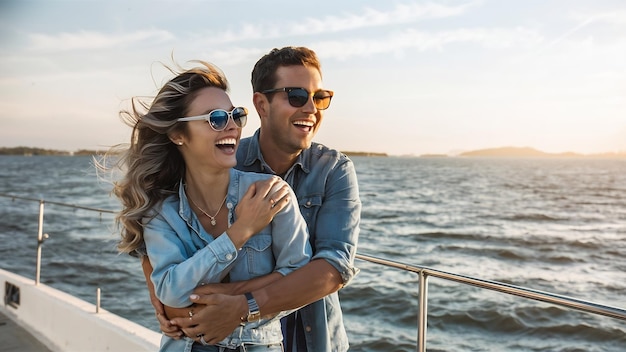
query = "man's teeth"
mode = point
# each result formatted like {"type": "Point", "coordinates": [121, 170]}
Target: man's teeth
{"type": "Point", "coordinates": [226, 141]}
{"type": "Point", "coordinates": [304, 123]}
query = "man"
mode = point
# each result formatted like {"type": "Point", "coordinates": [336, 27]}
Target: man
{"type": "Point", "coordinates": [290, 100]}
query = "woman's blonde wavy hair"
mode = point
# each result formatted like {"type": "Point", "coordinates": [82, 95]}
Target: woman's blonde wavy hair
{"type": "Point", "coordinates": [152, 164]}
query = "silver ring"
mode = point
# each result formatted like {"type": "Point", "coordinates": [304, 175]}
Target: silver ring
{"type": "Point", "coordinates": [202, 340]}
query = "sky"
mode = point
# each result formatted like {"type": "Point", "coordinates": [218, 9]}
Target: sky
{"type": "Point", "coordinates": [410, 77]}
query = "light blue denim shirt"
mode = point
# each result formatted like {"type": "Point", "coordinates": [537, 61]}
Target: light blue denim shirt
{"type": "Point", "coordinates": [183, 255]}
{"type": "Point", "coordinates": [325, 183]}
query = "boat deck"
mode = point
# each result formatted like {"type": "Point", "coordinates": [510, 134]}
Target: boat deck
{"type": "Point", "coordinates": [16, 339]}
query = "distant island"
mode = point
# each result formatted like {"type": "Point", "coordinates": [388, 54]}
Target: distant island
{"type": "Point", "coordinates": [433, 156]}
{"type": "Point", "coordinates": [527, 152]}
{"type": "Point", "coordinates": [364, 154]}
{"type": "Point", "coordinates": [29, 151]}
{"type": "Point", "coordinates": [502, 152]}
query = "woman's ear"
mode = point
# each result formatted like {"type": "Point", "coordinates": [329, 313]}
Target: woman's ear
{"type": "Point", "coordinates": [176, 138]}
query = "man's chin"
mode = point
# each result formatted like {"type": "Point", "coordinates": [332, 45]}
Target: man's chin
{"type": "Point", "coordinates": [305, 145]}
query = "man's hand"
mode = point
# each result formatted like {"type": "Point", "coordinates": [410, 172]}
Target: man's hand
{"type": "Point", "coordinates": [229, 309]}
{"type": "Point", "coordinates": [167, 328]}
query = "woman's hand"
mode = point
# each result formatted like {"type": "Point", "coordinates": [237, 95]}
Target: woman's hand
{"type": "Point", "coordinates": [256, 209]}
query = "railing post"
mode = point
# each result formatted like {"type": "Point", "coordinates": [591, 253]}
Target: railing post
{"type": "Point", "coordinates": [39, 242]}
{"type": "Point", "coordinates": [422, 314]}
{"type": "Point", "coordinates": [98, 300]}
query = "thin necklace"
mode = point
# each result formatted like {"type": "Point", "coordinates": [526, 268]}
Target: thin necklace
{"type": "Point", "coordinates": [213, 222]}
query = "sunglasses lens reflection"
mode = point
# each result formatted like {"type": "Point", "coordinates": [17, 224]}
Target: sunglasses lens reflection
{"type": "Point", "coordinates": [322, 100]}
{"type": "Point", "coordinates": [218, 119]}
{"type": "Point", "coordinates": [240, 116]}
{"type": "Point", "coordinates": [298, 97]}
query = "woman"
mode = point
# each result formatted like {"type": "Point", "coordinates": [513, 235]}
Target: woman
{"type": "Point", "coordinates": [201, 220]}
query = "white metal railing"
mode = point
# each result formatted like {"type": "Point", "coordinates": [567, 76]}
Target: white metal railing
{"type": "Point", "coordinates": [41, 237]}
{"type": "Point", "coordinates": [422, 272]}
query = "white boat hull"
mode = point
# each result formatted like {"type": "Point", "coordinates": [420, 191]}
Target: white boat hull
{"type": "Point", "coordinates": [65, 323]}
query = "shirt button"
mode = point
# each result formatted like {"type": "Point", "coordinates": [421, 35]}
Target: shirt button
{"type": "Point", "coordinates": [308, 204]}
{"type": "Point", "coordinates": [308, 329]}
{"type": "Point", "coordinates": [229, 256]}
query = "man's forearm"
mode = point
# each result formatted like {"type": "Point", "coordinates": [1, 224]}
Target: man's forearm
{"type": "Point", "coordinates": [308, 284]}
{"type": "Point", "coordinates": [146, 266]}
{"type": "Point", "coordinates": [147, 271]}
{"type": "Point", "coordinates": [172, 312]}
{"type": "Point", "coordinates": [238, 287]}
{"type": "Point", "coordinates": [232, 288]}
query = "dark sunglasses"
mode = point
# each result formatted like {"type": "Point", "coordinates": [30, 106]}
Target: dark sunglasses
{"type": "Point", "coordinates": [218, 118]}
{"type": "Point", "coordinates": [299, 96]}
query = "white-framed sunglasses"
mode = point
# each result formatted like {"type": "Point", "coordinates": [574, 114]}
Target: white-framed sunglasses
{"type": "Point", "coordinates": [218, 118]}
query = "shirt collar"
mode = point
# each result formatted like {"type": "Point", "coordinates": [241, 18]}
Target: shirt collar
{"type": "Point", "coordinates": [184, 210]}
{"type": "Point", "coordinates": [254, 153]}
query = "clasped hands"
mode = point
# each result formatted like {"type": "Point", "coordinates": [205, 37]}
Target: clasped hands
{"type": "Point", "coordinates": [217, 309]}
{"type": "Point", "coordinates": [214, 317]}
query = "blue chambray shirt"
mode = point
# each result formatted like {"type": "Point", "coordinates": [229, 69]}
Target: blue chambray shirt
{"type": "Point", "coordinates": [325, 183]}
{"type": "Point", "coordinates": [183, 255]}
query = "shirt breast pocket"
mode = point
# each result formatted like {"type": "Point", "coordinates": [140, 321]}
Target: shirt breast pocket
{"type": "Point", "coordinates": [309, 206]}
{"type": "Point", "coordinates": [258, 257]}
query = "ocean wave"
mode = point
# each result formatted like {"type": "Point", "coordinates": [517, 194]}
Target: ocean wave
{"type": "Point", "coordinates": [557, 228]}
{"type": "Point", "coordinates": [533, 217]}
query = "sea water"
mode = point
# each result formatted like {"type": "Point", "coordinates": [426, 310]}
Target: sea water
{"type": "Point", "coordinates": [556, 225]}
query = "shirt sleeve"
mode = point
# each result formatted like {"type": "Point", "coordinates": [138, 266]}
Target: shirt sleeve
{"type": "Point", "coordinates": [337, 225]}
{"type": "Point", "coordinates": [178, 268]}
{"type": "Point", "coordinates": [290, 238]}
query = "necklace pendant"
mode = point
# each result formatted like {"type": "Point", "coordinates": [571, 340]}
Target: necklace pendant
{"type": "Point", "coordinates": [213, 221]}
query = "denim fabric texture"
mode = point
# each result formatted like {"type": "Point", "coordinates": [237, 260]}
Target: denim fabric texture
{"type": "Point", "coordinates": [325, 183]}
{"type": "Point", "coordinates": [183, 255]}
{"type": "Point", "coordinates": [243, 348]}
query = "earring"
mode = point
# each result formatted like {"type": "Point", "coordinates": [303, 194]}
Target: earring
{"type": "Point", "coordinates": [180, 143]}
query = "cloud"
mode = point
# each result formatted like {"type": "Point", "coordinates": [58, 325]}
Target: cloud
{"type": "Point", "coordinates": [395, 42]}
{"type": "Point", "coordinates": [86, 40]}
{"type": "Point", "coordinates": [428, 41]}
{"type": "Point", "coordinates": [616, 17]}
{"type": "Point", "coordinates": [401, 14]}
{"type": "Point", "coordinates": [366, 18]}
